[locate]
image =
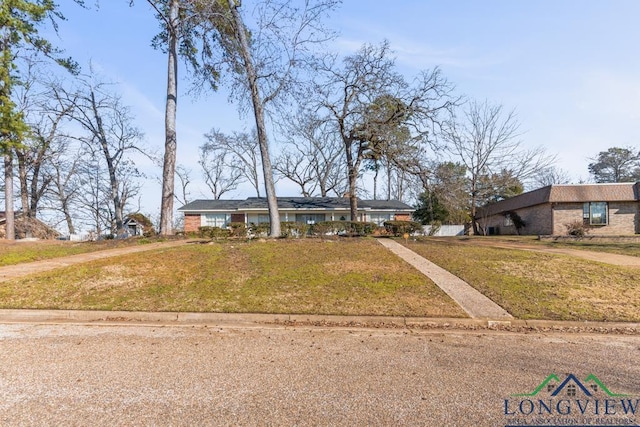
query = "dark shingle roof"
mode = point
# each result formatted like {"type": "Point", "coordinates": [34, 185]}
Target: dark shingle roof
{"type": "Point", "coordinates": [300, 203]}
{"type": "Point", "coordinates": [210, 205]}
{"type": "Point", "coordinates": [573, 193]}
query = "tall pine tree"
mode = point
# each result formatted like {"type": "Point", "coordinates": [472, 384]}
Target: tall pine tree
{"type": "Point", "coordinates": [19, 24]}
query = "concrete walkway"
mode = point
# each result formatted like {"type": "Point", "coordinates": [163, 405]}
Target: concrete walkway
{"type": "Point", "coordinates": [473, 302]}
{"type": "Point", "coordinates": [19, 270]}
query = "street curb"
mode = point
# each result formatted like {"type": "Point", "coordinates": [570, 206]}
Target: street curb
{"type": "Point", "coordinates": [293, 320]}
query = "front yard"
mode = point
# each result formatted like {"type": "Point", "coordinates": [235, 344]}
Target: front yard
{"type": "Point", "coordinates": [532, 285]}
{"type": "Point", "coordinates": [350, 276]}
{"type": "Point", "coordinates": [346, 277]}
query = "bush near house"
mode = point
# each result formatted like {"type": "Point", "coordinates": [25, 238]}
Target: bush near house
{"type": "Point", "coordinates": [289, 229]}
{"type": "Point", "coordinates": [350, 228]}
{"type": "Point", "coordinates": [294, 229]}
{"type": "Point", "coordinates": [398, 228]}
{"type": "Point", "coordinates": [238, 229]}
{"type": "Point", "coordinates": [577, 229]}
{"type": "Point", "coordinates": [517, 221]}
{"type": "Point", "coordinates": [213, 232]}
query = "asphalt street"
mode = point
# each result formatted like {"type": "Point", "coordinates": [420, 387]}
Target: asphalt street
{"type": "Point", "coordinates": [123, 375]}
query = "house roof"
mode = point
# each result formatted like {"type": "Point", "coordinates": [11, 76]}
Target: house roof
{"type": "Point", "coordinates": [294, 203]}
{"type": "Point", "coordinates": [3, 216]}
{"type": "Point", "coordinates": [568, 193]}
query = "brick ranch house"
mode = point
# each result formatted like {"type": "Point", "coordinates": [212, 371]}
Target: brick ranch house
{"type": "Point", "coordinates": [606, 209]}
{"type": "Point", "coordinates": [310, 210]}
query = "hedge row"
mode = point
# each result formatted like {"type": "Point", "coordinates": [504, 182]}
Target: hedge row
{"type": "Point", "coordinates": [320, 229]}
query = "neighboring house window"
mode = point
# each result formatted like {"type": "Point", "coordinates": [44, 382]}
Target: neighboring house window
{"type": "Point", "coordinates": [310, 218]}
{"type": "Point", "coordinates": [380, 218]}
{"type": "Point", "coordinates": [216, 220]}
{"type": "Point", "coordinates": [596, 213]}
{"type": "Point", "coordinates": [263, 219]}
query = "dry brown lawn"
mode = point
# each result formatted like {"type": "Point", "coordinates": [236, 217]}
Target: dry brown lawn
{"type": "Point", "coordinates": [532, 285]}
{"type": "Point", "coordinates": [346, 277]}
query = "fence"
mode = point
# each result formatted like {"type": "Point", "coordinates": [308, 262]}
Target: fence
{"type": "Point", "coordinates": [445, 230]}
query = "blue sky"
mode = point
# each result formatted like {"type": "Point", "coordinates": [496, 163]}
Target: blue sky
{"type": "Point", "coordinates": [570, 69]}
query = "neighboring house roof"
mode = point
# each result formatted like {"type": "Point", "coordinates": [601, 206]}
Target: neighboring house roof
{"type": "Point", "coordinates": [3, 216]}
{"type": "Point", "coordinates": [294, 203]}
{"type": "Point", "coordinates": [28, 227]}
{"type": "Point", "coordinates": [567, 193]}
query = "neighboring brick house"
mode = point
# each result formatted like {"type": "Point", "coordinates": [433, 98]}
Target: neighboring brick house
{"type": "Point", "coordinates": [310, 210]}
{"type": "Point", "coordinates": [606, 209]}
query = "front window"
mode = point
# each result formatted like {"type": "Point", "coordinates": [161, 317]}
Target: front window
{"type": "Point", "coordinates": [216, 220]}
{"type": "Point", "coordinates": [380, 218]}
{"type": "Point", "coordinates": [310, 218]}
{"type": "Point", "coordinates": [596, 213]}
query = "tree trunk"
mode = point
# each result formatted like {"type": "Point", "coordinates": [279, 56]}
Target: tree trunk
{"type": "Point", "coordinates": [9, 225]}
{"type": "Point", "coordinates": [24, 185]}
{"type": "Point", "coordinates": [170, 145]}
{"type": "Point", "coordinates": [352, 173]}
{"type": "Point", "coordinates": [114, 183]}
{"type": "Point", "coordinates": [258, 109]}
{"type": "Point", "coordinates": [67, 215]}
{"type": "Point", "coordinates": [474, 220]}
{"type": "Point", "coordinates": [375, 181]}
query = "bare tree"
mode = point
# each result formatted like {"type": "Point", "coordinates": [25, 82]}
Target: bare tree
{"type": "Point", "coordinates": [551, 175]}
{"type": "Point", "coordinates": [485, 140]}
{"type": "Point", "coordinates": [220, 170]}
{"type": "Point", "coordinates": [45, 121]}
{"type": "Point", "coordinates": [108, 126]}
{"type": "Point", "coordinates": [241, 151]}
{"type": "Point", "coordinates": [312, 156]}
{"type": "Point", "coordinates": [184, 176]}
{"type": "Point", "coordinates": [66, 188]}
{"type": "Point", "coordinates": [350, 99]}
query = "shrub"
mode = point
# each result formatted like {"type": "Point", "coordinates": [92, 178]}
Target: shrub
{"type": "Point", "coordinates": [238, 229]}
{"type": "Point", "coordinates": [213, 232]}
{"type": "Point", "coordinates": [577, 229]}
{"type": "Point", "coordinates": [398, 228]}
{"type": "Point", "coordinates": [517, 221]}
{"type": "Point", "coordinates": [325, 228]}
{"type": "Point", "coordinates": [259, 230]}
{"type": "Point", "coordinates": [294, 229]}
{"type": "Point", "coordinates": [350, 228]}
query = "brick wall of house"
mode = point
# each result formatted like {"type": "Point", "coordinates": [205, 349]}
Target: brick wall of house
{"type": "Point", "coordinates": [624, 218]}
{"type": "Point", "coordinates": [563, 214]}
{"type": "Point", "coordinates": [402, 217]}
{"type": "Point", "coordinates": [537, 221]}
{"type": "Point", "coordinates": [191, 222]}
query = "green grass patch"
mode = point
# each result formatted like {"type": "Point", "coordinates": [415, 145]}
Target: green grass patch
{"type": "Point", "coordinates": [345, 277]}
{"type": "Point", "coordinates": [532, 285]}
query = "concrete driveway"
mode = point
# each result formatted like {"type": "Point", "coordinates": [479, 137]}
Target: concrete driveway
{"type": "Point", "coordinates": [176, 375]}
